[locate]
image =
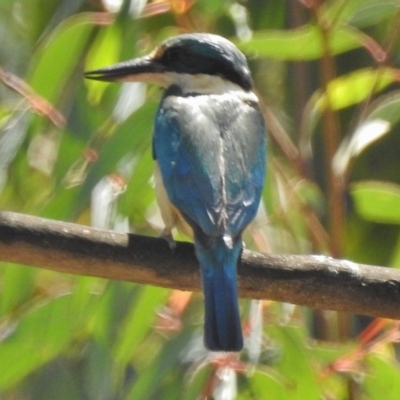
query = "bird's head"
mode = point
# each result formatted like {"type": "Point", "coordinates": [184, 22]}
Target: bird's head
{"type": "Point", "coordinates": [195, 62]}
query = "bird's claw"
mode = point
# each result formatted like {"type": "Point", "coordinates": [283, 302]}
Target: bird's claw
{"type": "Point", "coordinates": [170, 240]}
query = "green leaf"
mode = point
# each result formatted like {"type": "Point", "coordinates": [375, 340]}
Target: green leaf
{"type": "Point", "coordinates": [267, 384]}
{"type": "Point", "coordinates": [300, 44]}
{"type": "Point", "coordinates": [195, 387]}
{"type": "Point", "coordinates": [98, 378]}
{"type": "Point", "coordinates": [104, 51]}
{"type": "Point", "coordinates": [163, 370]}
{"type": "Point", "coordinates": [15, 276]}
{"type": "Point", "coordinates": [54, 380]}
{"type": "Point", "coordinates": [395, 258]}
{"type": "Point", "coordinates": [57, 58]}
{"type": "Point", "coordinates": [133, 136]}
{"type": "Point", "coordinates": [37, 337]}
{"type": "Point", "coordinates": [361, 13]}
{"type": "Point", "coordinates": [355, 87]}
{"type": "Point", "coordinates": [386, 107]}
{"type": "Point", "coordinates": [377, 201]}
{"type": "Point", "coordinates": [139, 321]}
{"type": "Point", "coordinates": [349, 90]}
{"type": "Point", "coordinates": [139, 193]}
{"type": "Point", "coordinates": [62, 205]}
{"type": "Point", "coordinates": [365, 135]}
{"type": "Point", "coordinates": [295, 364]}
{"type": "Point", "coordinates": [383, 377]}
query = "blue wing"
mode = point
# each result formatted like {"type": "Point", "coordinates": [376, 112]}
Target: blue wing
{"type": "Point", "coordinates": [211, 152]}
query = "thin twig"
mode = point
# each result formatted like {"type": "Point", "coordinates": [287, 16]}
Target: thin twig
{"type": "Point", "coordinates": [331, 134]}
{"type": "Point", "coordinates": [36, 102]}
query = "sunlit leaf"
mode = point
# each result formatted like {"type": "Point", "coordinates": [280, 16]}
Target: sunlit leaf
{"type": "Point", "coordinates": [62, 204]}
{"type": "Point", "coordinates": [104, 52]}
{"type": "Point", "coordinates": [57, 58]}
{"type": "Point", "coordinates": [349, 90]}
{"type": "Point", "coordinates": [303, 43]}
{"type": "Point", "coordinates": [377, 201]}
{"type": "Point", "coordinates": [268, 384]}
{"type": "Point", "coordinates": [366, 134]}
{"type": "Point", "coordinates": [383, 377]}
{"type": "Point", "coordinates": [15, 276]}
{"type": "Point", "coordinates": [395, 259]}
{"type": "Point", "coordinates": [295, 364]}
{"type": "Point", "coordinates": [355, 87]}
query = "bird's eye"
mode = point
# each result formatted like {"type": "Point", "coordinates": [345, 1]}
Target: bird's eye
{"type": "Point", "coordinates": [173, 56]}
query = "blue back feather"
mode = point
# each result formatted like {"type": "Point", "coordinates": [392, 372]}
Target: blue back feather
{"type": "Point", "coordinates": [211, 152]}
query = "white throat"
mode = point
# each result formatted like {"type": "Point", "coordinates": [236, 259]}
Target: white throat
{"type": "Point", "coordinates": [199, 83]}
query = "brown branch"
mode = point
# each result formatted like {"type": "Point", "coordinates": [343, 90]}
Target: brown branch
{"type": "Point", "coordinates": [314, 281]}
{"type": "Point", "coordinates": [331, 134]}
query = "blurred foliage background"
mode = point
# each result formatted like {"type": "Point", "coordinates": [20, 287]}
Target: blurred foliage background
{"type": "Point", "coordinates": [327, 75]}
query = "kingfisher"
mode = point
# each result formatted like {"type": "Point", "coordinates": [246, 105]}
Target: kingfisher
{"type": "Point", "coordinates": [209, 147]}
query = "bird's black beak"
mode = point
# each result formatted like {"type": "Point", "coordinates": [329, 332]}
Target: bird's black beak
{"type": "Point", "coordinates": [138, 69]}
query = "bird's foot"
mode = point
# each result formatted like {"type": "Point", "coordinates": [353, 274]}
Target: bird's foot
{"type": "Point", "coordinates": [167, 235]}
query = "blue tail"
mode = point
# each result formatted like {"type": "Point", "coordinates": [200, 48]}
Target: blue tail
{"type": "Point", "coordinates": [222, 327]}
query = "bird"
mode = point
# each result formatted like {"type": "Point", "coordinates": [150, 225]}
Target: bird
{"type": "Point", "coordinates": [209, 147]}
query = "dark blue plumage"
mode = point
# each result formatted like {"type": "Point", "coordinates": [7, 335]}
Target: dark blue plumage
{"type": "Point", "coordinates": [209, 146]}
{"type": "Point", "coordinates": [222, 326]}
{"type": "Point", "coordinates": [211, 152]}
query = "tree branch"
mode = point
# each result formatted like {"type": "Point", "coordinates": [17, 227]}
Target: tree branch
{"type": "Point", "coordinates": [314, 281]}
